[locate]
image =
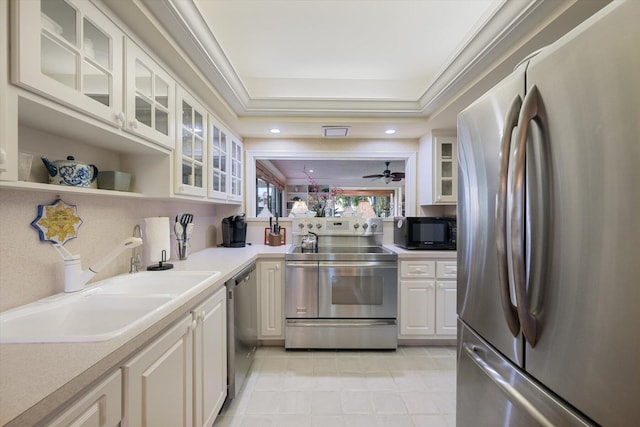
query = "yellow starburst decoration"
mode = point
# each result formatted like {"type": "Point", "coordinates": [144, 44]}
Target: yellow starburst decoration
{"type": "Point", "coordinates": [57, 222]}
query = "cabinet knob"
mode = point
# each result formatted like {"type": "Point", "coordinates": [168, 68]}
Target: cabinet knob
{"type": "Point", "coordinates": [202, 315]}
{"type": "Point", "coordinates": [134, 124]}
{"type": "Point", "coordinates": [121, 118]}
{"type": "Point", "coordinates": [194, 323]}
{"type": "Point", "coordinates": [277, 267]}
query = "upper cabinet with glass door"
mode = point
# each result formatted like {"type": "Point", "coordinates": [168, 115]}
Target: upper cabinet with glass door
{"type": "Point", "coordinates": [235, 192]}
{"type": "Point", "coordinates": [225, 164]}
{"type": "Point", "coordinates": [441, 167]}
{"type": "Point", "coordinates": [446, 169]}
{"type": "Point", "coordinates": [190, 154]}
{"type": "Point", "coordinates": [71, 52]}
{"type": "Point", "coordinates": [150, 102]}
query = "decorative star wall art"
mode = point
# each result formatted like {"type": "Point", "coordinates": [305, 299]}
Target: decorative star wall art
{"type": "Point", "coordinates": [57, 222]}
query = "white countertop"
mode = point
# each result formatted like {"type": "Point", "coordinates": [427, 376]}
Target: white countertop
{"type": "Point", "coordinates": [35, 379]}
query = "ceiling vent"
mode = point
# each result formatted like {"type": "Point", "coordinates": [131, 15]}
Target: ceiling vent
{"type": "Point", "coordinates": [334, 131]}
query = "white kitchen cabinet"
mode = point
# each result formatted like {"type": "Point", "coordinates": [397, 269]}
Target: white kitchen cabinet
{"type": "Point", "coordinates": [446, 316]}
{"type": "Point", "coordinates": [225, 163]}
{"type": "Point", "coordinates": [99, 407]}
{"type": "Point", "coordinates": [441, 158]}
{"type": "Point", "coordinates": [210, 358]}
{"type": "Point", "coordinates": [158, 382]}
{"type": "Point", "coordinates": [235, 192]}
{"type": "Point", "coordinates": [428, 298]}
{"type": "Point", "coordinates": [191, 148]}
{"type": "Point", "coordinates": [149, 97]}
{"type": "Point", "coordinates": [417, 303]}
{"type": "Point", "coordinates": [69, 51]}
{"type": "Point", "coordinates": [8, 154]}
{"type": "Point", "coordinates": [271, 299]}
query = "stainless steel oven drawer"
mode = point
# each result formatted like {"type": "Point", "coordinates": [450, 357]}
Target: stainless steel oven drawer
{"type": "Point", "coordinates": [341, 334]}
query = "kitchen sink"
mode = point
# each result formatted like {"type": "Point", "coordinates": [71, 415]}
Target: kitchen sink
{"type": "Point", "coordinates": [105, 310]}
{"type": "Point", "coordinates": [170, 283]}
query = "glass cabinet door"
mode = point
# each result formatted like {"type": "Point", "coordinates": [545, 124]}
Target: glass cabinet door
{"type": "Point", "coordinates": [73, 55]}
{"type": "Point", "coordinates": [191, 149]}
{"type": "Point", "coordinates": [149, 97]}
{"type": "Point", "coordinates": [446, 164]}
{"type": "Point", "coordinates": [235, 192]}
{"type": "Point", "coordinates": [219, 155]}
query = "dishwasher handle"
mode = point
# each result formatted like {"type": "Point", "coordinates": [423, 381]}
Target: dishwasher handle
{"type": "Point", "coordinates": [241, 277]}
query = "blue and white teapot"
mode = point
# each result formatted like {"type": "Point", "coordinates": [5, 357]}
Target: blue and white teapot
{"type": "Point", "coordinates": [70, 172]}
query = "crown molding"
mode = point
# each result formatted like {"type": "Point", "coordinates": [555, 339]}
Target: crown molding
{"type": "Point", "coordinates": [507, 28]}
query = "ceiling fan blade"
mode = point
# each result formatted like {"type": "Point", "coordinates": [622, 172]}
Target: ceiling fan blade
{"type": "Point", "coordinates": [396, 179]}
{"type": "Point", "coordinates": [373, 176]}
{"type": "Point", "coordinates": [397, 174]}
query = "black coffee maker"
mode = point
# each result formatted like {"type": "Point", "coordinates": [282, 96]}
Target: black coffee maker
{"type": "Point", "coordinates": [234, 231]}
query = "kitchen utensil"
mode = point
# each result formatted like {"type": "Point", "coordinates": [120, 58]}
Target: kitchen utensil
{"type": "Point", "coordinates": [70, 172]}
{"type": "Point", "coordinates": [179, 230]}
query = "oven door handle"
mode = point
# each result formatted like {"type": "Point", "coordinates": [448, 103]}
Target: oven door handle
{"type": "Point", "coordinates": [340, 324]}
{"type": "Point", "coordinates": [357, 264]}
{"type": "Point", "coordinates": [301, 264]}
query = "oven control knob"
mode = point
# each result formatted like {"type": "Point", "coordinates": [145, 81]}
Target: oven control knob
{"type": "Point", "coordinates": [301, 226]}
{"type": "Point", "coordinates": [365, 226]}
{"type": "Point", "coordinates": [309, 226]}
{"type": "Point", "coordinates": [356, 225]}
{"type": "Point", "coordinates": [373, 227]}
{"type": "Point", "coordinates": [318, 226]}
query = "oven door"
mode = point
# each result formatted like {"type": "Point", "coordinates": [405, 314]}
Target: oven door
{"type": "Point", "coordinates": [357, 290]}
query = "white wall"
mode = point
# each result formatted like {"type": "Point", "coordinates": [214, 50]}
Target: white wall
{"type": "Point", "coordinates": [31, 269]}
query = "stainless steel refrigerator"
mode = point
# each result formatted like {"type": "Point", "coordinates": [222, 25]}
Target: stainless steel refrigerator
{"type": "Point", "coordinates": [549, 235]}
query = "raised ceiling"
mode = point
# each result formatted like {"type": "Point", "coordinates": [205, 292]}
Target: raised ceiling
{"type": "Point", "coordinates": [337, 50]}
{"type": "Point", "coordinates": [371, 65]}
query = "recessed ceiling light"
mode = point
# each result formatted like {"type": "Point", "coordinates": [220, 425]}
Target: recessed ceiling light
{"type": "Point", "coordinates": [274, 130]}
{"type": "Point", "coordinates": [390, 131]}
{"type": "Point", "coordinates": [310, 170]}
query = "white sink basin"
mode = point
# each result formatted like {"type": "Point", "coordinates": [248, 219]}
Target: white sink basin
{"type": "Point", "coordinates": [105, 310]}
{"type": "Point", "coordinates": [171, 282]}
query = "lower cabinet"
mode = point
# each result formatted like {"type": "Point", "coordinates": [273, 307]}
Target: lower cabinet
{"type": "Point", "coordinates": [100, 407]}
{"type": "Point", "coordinates": [427, 299]}
{"type": "Point", "coordinates": [210, 358]}
{"type": "Point", "coordinates": [158, 381]}
{"type": "Point", "coordinates": [271, 299]}
{"type": "Point", "coordinates": [181, 378]}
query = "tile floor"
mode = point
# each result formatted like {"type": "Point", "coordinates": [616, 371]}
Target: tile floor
{"type": "Point", "coordinates": [413, 386]}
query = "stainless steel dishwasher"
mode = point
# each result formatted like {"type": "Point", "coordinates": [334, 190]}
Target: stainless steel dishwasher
{"type": "Point", "coordinates": [242, 327]}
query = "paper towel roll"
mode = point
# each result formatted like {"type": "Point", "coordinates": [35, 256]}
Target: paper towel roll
{"type": "Point", "coordinates": [157, 238]}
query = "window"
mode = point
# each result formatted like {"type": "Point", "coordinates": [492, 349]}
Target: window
{"type": "Point", "coordinates": [268, 196]}
{"type": "Point", "coordinates": [269, 189]}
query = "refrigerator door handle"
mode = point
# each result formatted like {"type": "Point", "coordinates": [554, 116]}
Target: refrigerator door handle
{"type": "Point", "coordinates": [475, 353]}
{"type": "Point", "coordinates": [502, 216]}
{"type": "Point", "coordinates": [528, 320]}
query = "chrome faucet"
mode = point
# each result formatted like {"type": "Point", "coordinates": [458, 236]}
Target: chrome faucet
{"type": "Point", "coordinates": [136, 262]}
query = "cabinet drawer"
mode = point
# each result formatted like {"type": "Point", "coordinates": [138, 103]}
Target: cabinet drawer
{"type": "Point", "coordinates": [447, 269]}
{"type": "Point", "coordinates": [417, 268]}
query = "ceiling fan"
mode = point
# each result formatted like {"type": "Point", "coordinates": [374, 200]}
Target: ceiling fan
{"type": "Point", "coordinates": [387, 176]}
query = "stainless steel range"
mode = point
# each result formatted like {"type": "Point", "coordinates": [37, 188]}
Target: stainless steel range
{"type": "Point", "coordinates": [341, 292]}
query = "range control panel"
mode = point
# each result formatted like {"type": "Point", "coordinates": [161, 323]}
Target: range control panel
{"type": "Point", "coordinates": [347, 226]}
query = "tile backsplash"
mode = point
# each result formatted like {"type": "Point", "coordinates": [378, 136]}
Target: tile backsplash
{"type": "Point", "coordinates": [31, 269]}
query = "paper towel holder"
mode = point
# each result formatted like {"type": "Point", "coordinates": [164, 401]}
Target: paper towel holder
{"type": "Point", "coordinates": [161, 265]}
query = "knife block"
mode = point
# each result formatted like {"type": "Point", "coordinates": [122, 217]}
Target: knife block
{"type": "Point", "coordinates": [275, 239]}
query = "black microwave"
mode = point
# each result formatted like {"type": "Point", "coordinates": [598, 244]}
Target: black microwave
{"type": "Point", "coordinates": [425, 233]}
